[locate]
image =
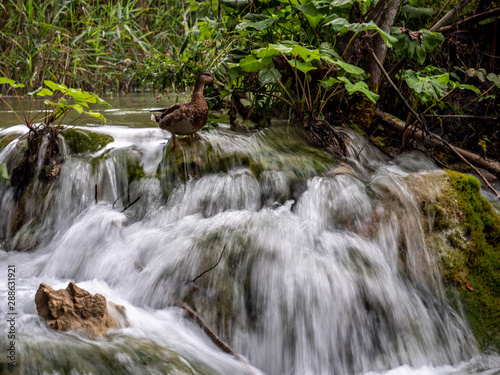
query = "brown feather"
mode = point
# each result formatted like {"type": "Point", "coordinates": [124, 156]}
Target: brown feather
{"type": "Point", "coordinates": [187, 118]}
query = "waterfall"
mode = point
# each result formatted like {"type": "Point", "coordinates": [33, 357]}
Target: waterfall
{"type": "Point", "coordinates": [312, 278]}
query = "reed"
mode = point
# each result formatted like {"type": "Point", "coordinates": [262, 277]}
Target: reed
{"type": "Point", "coordinates": [88, 44]}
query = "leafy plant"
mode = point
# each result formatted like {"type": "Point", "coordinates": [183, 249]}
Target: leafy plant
{"type": "Point", "coordinates": [62, 101]}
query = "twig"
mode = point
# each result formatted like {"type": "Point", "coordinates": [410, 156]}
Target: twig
{"type": "Point", "coordinates": [121, 195]}
{"type": "Point", "coordinates": [366, 142]}
{"type": "Point", "coordinates": [131, 204]}
{"type": "Point", "coordinates": [95, 193]}
{"type": "Point", "coordinates": [210, 269]}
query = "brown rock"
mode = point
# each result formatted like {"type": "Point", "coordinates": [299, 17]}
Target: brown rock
{"type": "Point", "coordinates": [74, 308]}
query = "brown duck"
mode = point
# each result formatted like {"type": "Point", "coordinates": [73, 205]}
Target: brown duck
{"type": "Point", "coordinates": [187, 118]}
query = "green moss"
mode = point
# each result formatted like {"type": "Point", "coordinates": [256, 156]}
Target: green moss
{"type": "Point", "coordinates": [134, 168]}
{"type": "Point", "coordinates": [80, 141]}
{"type": "Point", "coordinates": [119, 355]}
{"type": "Point", "coordinates": [6, 139]}
{"type": "Point", "coordinates": [464, 231]}
{"type": "Point", "coordinates": [482, 226]}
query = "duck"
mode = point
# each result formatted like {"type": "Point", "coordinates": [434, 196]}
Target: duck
{"type": "Point", "coordinates": [187, 118]}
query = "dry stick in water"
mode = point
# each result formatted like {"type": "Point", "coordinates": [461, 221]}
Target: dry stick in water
{"type": "Point", "coordinates": [130, 205]}
{"type": "Point", "coordinates": [421, 120]}
{"type": "Point", "coordinates": [221, 344]}
{"type": "Point", "coordinates": [210, 269]}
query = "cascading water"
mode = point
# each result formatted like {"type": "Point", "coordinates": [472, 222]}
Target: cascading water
{"type": "Point", "coordinates": [311, 279]}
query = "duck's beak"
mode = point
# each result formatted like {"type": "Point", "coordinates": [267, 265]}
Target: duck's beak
{"type": "Point", "coordinates": [216, 82]}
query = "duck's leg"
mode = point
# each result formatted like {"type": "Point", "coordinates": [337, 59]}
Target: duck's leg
{"type": "Point", "coordinates": [174, 139]}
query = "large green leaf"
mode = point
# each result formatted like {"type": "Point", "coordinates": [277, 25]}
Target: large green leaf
{"type": "Point", "coordinates": [314, 13]}
{"type": "Point", "coordinates": [96, 114]}
{"type": "Point", "coordinates": [55, 86]}
{"type": "Point", "coordinates": [269, 76]}
{"type": "Point", "coordinates": [77, 107]}
{"type": "Point", "coordinates": [41, 91]}
{"type": "Point", "coordinates": [307, 55]}
{"type": "Point", "coordinates": [338, 24]}
{"type": "Point", "coordinates": [304, 67]}
{"type": "Point", "coordinates": [251, 64]}
{"type": "Point", "coordinates": [351, 69]}
{"type": "Point", "coordinates": [494, 78]}
{"type": "Point", "coordinates": [358, 27]}
{"type": "Point", "coordinates": [415, 44]}
{"type": "Point", "coordinates": [11, 82]}
{"type": "Point", "coordinates": [339, 3]}
{"type": "Point", "coordinates": [7, 81]}
{"type": "Point", "coordinates": [274, 50]}
{"type": "Point", "coordinates": [259, 25]}
{"type": "Point", "coordinates": [428, 87]}
{"type": "Point", "coordinates": [359, 86]}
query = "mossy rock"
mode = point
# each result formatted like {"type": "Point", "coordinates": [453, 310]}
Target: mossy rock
{"type": "Point", "coordinates": [120, 356]}
{"type": "Point", "coordinates": [80, 141]}
{"type": "Point", "coordinates": [6, 139]}
{"type": "Point", "coordinates": [464, 230]}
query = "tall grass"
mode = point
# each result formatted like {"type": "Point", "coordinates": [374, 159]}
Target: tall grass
{"type": "Point", "coordinates": [87, 43]}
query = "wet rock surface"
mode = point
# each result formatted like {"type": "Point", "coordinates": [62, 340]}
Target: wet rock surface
{"type": "Point", "coordinates": [74, 308]}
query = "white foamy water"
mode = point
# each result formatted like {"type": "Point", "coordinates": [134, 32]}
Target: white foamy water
{"type": "Point", "coordinates": [310, 279]}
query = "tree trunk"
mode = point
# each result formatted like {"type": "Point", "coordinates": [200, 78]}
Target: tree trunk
{"type": "Point", "coordinates": [379, 46]}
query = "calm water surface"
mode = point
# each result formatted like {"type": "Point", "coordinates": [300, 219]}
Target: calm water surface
{"type": "Point", "coordinates": [131, 110]}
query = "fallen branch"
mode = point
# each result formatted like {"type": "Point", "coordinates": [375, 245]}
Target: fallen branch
{"type": "Point", "coordinates": [468, 157]}
{"type": "Point", "coordinates": [221, 344]}
{"type": "Point", "coordinates": [448, 16]}
{"type": "Point", "coordinates": [466, 116]}
{"type": "Point", "coordinates": [475, 18]}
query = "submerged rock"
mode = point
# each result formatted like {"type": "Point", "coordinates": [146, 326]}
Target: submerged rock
{"type": "Point", "coordinates": [75, 308]}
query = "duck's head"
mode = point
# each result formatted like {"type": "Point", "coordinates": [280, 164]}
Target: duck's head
{"type": "Point", "coordinates": [206, 77]}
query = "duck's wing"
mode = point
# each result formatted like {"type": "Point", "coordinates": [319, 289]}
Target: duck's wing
{"type": "Point", "coordinates": [165, 111]}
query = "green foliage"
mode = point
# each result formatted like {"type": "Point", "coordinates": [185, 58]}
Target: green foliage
{"type": "Point", "coordinates": [62, 101]}
{"type": "Point", "coordinates": [432, 86]}
{"type": "Point", "coordinates": [415, 44]}
{"type": "Point", "coordinates": [428, 87]}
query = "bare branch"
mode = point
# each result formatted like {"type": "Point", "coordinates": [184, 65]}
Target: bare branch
{"type": "Point", "coordinates": [475, 18]}
{"type": "Point", "coordinates": [448, 16]}
{"type": "Point", "coordinates": [210, 269]}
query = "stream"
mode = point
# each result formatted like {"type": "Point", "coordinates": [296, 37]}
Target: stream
{"type": "Point", "coordinates": [309, 279]}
